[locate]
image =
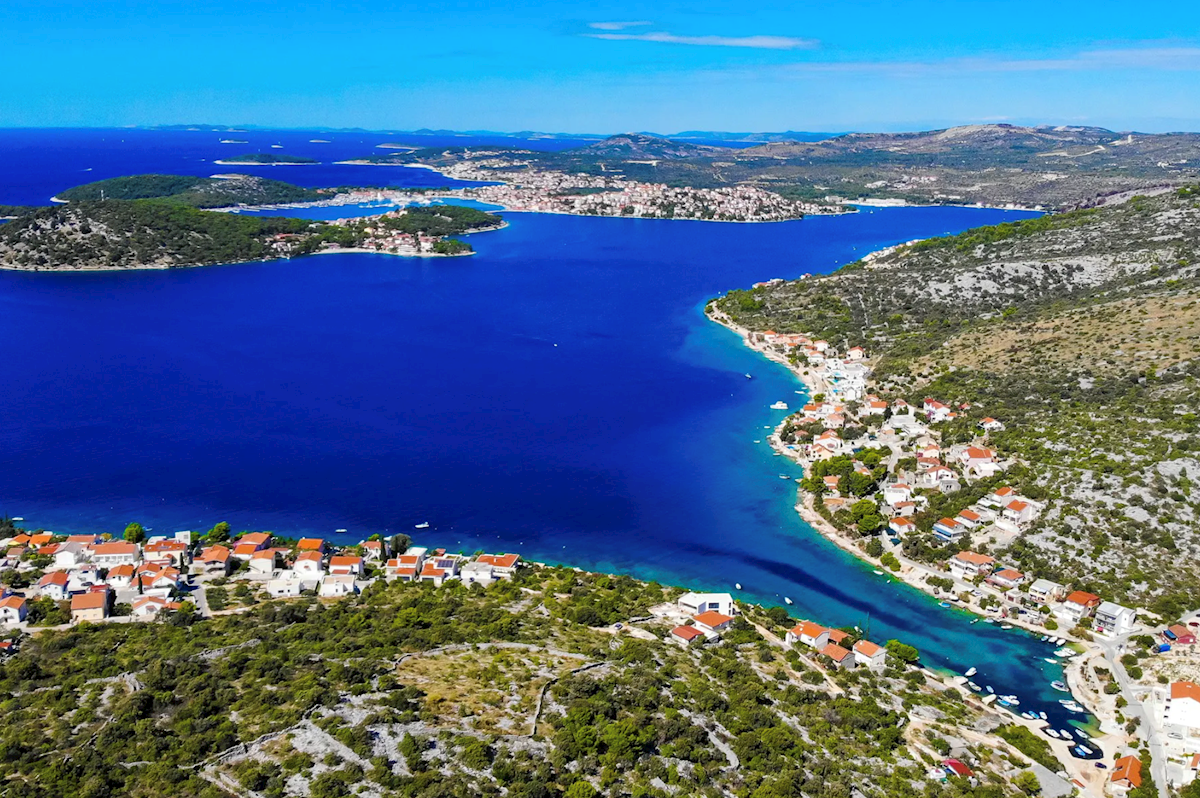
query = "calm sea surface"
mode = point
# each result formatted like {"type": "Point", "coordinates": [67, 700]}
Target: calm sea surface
{"type": "Point", "coordinates": [559, 394]}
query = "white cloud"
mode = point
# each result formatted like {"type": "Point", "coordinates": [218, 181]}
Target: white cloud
{"type": "Point", "coordinates": [1157, 58]}
{"type": "Point", "coordinates": [756, 42]}
{"type": "Point", "coordinates": [616, 25]}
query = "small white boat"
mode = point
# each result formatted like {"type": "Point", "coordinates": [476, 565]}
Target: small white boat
{"type": "Point", "coordinates": [749, 376]}
{"type": "Point", "coordinates": [780, 405]}
{"type": "Point", "coordinates": [1006, 626]}
{"type": "Point", "coordinates": [1051, 660]}
{"type": "Point", "coordinates": [787, 600]}
{"type": "Point", "coordinates": [974, 686]}
{"type": "Point", "coordinates": [1060, 686]}
{"type": "Point", "coordinates": [758, 441]}
{"type": "Point", "coordinates": [277, 146]}
{"type": "Point", "coordinates": [1086, 751]}
{"type": "Point", "coordinates": [1062, 652]}
{"type": "Point", "coordinates": [1042, 715]}
{"type": "Point", "coordinates": [880, 573]}
{"type": "Point", "coordinates": [339, 530]}
{"type": "Point", "coordinates": [784, 476]}
{"type": "Point", "coordinates": [1082, 734]}
{"type": "Point", "coordinates": [971, 671]}
{"type": "Point", "coordinates": [17, 518]}
{"type": "Point", "coordinates": [1063, 733]}
{"type": "Point", "coordinates": [1052, 733]}
{"type": "Point", "coordinates": [1060, 641]}
{"type": "Point", "coordinates": [422, 525]}
{"type": "Point", "coordinates": [989, 620]}
{"type": "Point", "coordinates": [989, 689]}
{"type": "Point", "coordinates": [738, 585]}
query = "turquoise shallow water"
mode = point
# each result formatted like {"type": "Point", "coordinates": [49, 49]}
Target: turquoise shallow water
{"type": "Point", "coordinates": [559, 394]}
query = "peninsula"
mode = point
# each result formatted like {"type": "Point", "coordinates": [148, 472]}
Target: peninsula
{"type": "Point", "coordinates": [1006, 418]}
{"type": "Point", "coordinates": [259, 664]}
{"type": "Point", "coordinates": [267, 159]}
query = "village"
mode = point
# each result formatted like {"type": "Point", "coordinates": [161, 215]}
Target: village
{"type": "Point", "coordinates": [873, 469]}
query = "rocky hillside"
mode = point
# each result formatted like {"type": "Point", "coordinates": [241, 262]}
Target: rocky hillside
{"type": "Point", "coordinates": [525, 689]}
{"type": "Point", "coordinates": [1079, 330]}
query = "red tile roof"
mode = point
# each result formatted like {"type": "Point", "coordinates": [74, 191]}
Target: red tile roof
{"type": "Point", "coordinates": [867, 648]}
{"type": "Point", "coordinates": [712, 619]}
{"type": "Point", "coordinates": [1185, 690]}
{"type": "Point", "coordinates": [835, 652]}
{"type": "Point", "coordinates": [1128, 768]}
{"type": "Point", "coordinates": [89, 601]}
{"type": "Point", "coordinates": [688, 633]}
{"type": "Point", "coordinates": [310, 544]}
{"type": "Point", "coordinates": [500, 560]}
{"type": "Point", "coordinates": [1080, 597]}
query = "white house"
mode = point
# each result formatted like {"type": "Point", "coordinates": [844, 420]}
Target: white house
{"type": "Point", "coordinates": [991, 425]}
{"type": "Point", "coordinates": [71, 555]}
{"type": "Point", "coordinates": [405, 567]}
{"type": "Point", "coordinates": [54, 586]}
{"type": "Point", "coordinates": [477, 572]}
{"type": "Point", "coordinates": [504, 566]}
{"type": "Point", "coordinates": [698, 603]}
{"type": "Point", "coordinates": [1113, 619]}
{"type": "Point", "coordinates": [948, 529]}
{"type": "Point", "coordinates": [896, 493]}
{"type": "Point", "coordinates": [337, 585]}
{"type": "Point", "coordinates": [166, 550]}
{"type": "Point", "coordinates": [936, 411]}
{"type": "Point", "coordinates": [215, 561]}
{"type": "Point", "coordinates": [1043, 591]}
{"type": "Point", "coordinates": [810, 634]}
{"type": "Point", "coordinates": [309, 565]}
{"type": "Point", "coordinates": [902, 526]}
{"type": "Point", "coordinates": [109, 555]}
{"type": "Point", "coordinates": [1019, 512]}
{"type": "Point", "coordinates": [263, 561]}
{"type": "Point", "coordinates": [713, 623]}
{"type": "Point", "coordinates": [1178, 713]}
{"type": "Point", "coordinates": [120, 577]}
{"type": "Point", "coordinates": [871, 655]}
{"type": "Point", "coordinates": [342, 565]}
{"type": "Point", "coordinates": [1077, 606]}
{"type": "Point", "coordinates": [151, 606]}
{"type": "Point", "coordinates": [1006, 578]}
{"type": "Point", "coordinates": [284, 587]}
{"type": "Point", "coordinates": [12, 609]}
{"type": "Point", "coordinates": [968, 564]}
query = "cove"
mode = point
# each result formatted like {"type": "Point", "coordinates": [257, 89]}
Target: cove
{"type": "Point", "coordinates": [559, 394]}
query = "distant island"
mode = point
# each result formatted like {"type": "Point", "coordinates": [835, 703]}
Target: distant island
{"type": "Point", "coordinates": [267, 159]}
{"type": "Point", "coordinates": [163, 222]}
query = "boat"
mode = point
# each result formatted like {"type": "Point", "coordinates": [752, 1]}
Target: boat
{"type": "Point", "coordinates": [971, 671]}
{"type": "Point", "coordinates": [738, 585]}
{"type": "Point", "coordinates": [1004, 702]}
{"type": "Point", "coordinates": [1101, 765]}
{"type": "Point", "coordinates": [277, 146]}
{"type": "Point", "coordinates": [17, 518]}
{"type": "Point", "coordinates": [1042, 715]}
{"type": "Point", "coordinates": [758, 441]}
{"type": "Point", "coordinates": [1006, 626]}
{"type": "Point", "coordinates": [1060, 641]}
{"type": "Point", "coordinates": [780, 405]}
{"type": "Point", "coordinates": [975, 621]}
{"type": "Point", "coordinates": [989, 620]}
{"type": "Point", "coordinates": [1060, 686]}
{"type": "Point", "coordinates": [878, 572]}
{"type": "Point", "coordinates": [1045, 638]}
{"type": "Point", "coordinates": [943, 603]}
{"type": "Point", "coordinates": [974, 686]}
{"type": "Point", "coordinates": [1062, 652]}
{"type": "Point", "coordinates": [339, 530]}
{"type": "Point", "coordinates": [1086, 751]}
{"type": "Point", "coordinates": [787, 600]}
{"type": "Point", "coordinates": [422, 525]}
{"type": "Point", "coordinates": [784, 476]}
{"type": "Point", "coordinates": [1081, 734]}
{"type": "Point", "coordinates": [1051, 660]}
{"type": "Point", "coordinates": [1012, 699]}
{"type": "Point", "coordinates": [989, 689]}
{"type": "Point", "coordinates": [1052, 733]}
{"type": "Point", "coordinates": [749, 376]}
{"type": "Point", "coordinates": [1063, 733]}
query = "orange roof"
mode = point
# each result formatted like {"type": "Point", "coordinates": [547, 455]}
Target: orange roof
{"type": "Point", "coordinates": [90, 601]}
{"type": "Point", "coordinates": [56, 578]}
{"type": "Point", "coordinates": [987, 420]}
{"type": "Point", "coordinates": [166, 545]}
{"type": "Point", "coordinates": [121, 570]}
{"type": "Point", "coordinates": [116, 548]}
{"type": "Point", "coordinates": [264, 554]}
{"type": "Point", "coordinates": [837, 635]}
{"type": "Point", "coordinates": [1005, 492]}
{"type": "Point", "coordinates": [1128, 768]}
{"type": "Point", "coordinates": [902, 522]}
{"type": "Point", "coordinates": [13, 602]}
{"type": "Point", "coordinates": [41, 539]}
{"type": "Point", "coordinates": [1179, 630]}
{"type": "Point", "coordinates": [500, 560]}
{"type": "Point", "coordinates": [245, 549]}
{"type": "Point", "coordinates": [255, 538]}
{"type": "Point", "coordinates": [1008, 573]}
{"type": "Point", "coordinates": [431, 569]}
{"type": "Point", "coordinates": [1080, 597]}
{"type": "Point", "coordinates": [1016, 506]}
{"type": "Point", "coordinates": [975, 453]}
{"type": "Point", "coordinates": [345, 560]}
{"type": "Point", "coordinates": [310, 544]}
{"type": "Point", "coordinates": [974, 558]}
{"type": "Point", "coordinates": [711, 618]}
{"type": "Point", "coordinates": [688, 633]}
{"type": "Point", "coordinates": [81, 539]}
{"type": "Point", "coordinates": [19, 540]}
{"type": "Point", "coordinates": [404, 570]}
{"type": "Point", "coordinates": [1185, 690]}
{"type": "Point", "coordinates": [867, 648]}
{"type": "Point", "coordinates": [835, 652]}
{"type": "Point", "coordinates": [309, 556]}
{"type": "Point", "coordinates": [214, 554]}
{"type": "Point", "coordinates": [970, 515]}
{"type": "Point", "coordinates": [809, 629]}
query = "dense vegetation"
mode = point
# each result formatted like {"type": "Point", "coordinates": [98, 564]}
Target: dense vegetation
{"type": "Point", "coordinates": [328, 704]}
{"type": "Point", "coordinates": [439, 220]}
{"type": "Point", "coordinates": [1079, 331]}
{"type": "Point", "coordinates": [198, 192]}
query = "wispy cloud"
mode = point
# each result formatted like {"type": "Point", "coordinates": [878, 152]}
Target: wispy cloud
{"type": "Point", "coordinates": [755, 42]}
{"type": "Point", "coordinates": [616, 25]}
{"type": "Point", "coordinates": [1184, 59]}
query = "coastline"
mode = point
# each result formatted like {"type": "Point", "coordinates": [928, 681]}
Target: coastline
{"type": "Point", "coordinates": [269, 163]}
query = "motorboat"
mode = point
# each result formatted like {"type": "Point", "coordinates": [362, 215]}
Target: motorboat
{"type": "Point", "coordinates": [974, 686]}
{"type": "Point", "coordinates": [780, 405]}
{"type": "Point", "coordinates": [1012, 699]}
{"type": "Point", "coordinates": [1081, 734]}
{"type": "Point", "coordinates": [1006, 626]}
{"type": "Point", "coordinates": [787, 600]}
{"type": "Point", "coordinates": [1086, 751]}
{"type": "Point", "coordinates": [1052, 733]}
{"type": "Point", "coordinates": [339, 530]}
{"type": "Point", "coordinates": [943, 603]}
{"type": "Point", "coordinates": [1063, 652]}
{"type": "Point", "coordinates": [749, 376]}
{"type": "Point", "coordinates": [1045, 638]}
{"type": "Point", "coordinates": [738, 585]}
{"type": "Point", "coordinates": [1042, 715]}
{"type": "Point", "coordinates": [1051, 660]}
{"type": "Point", "coordinates": [1060, 686]}
{"type": "Point", "coordinates": [970, 671]}
{"type": "Point", "coordinates": [989, 689]}
{"type": "Point", "coordinates": [1064, 734]}
{"type": "Point", "coordinates": [422, 525]}
{"type": "Point", "coordinates": [989, 620]}
{"type": "Point", "coordinates": [784, 476]}
{"type": "Point", "coordinates": [878, 572]}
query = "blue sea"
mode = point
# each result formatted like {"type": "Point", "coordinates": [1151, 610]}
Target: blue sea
{"type": "Point", "coordinates": [559, 394]}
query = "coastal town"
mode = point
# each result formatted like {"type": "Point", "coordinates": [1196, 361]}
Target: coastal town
{"type": "Point", "coordinates": [62, 581]}
{"type": "Point", "coordinates": [883, 484]}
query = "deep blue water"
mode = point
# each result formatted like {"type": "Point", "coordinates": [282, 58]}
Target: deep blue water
{"type": "Point", "coordinates": [559, 394]}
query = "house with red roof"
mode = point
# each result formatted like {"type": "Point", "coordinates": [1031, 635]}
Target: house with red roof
{"type": "Point", "coordinates": [405, 567]}
{"type": "Point", "coordinates": [1179, 635]}
{"type": "Point", "coordinates": [309, 565]}
{"type": "Point", "coordinates": [902, 526]}
{"type": "Point", "coordinates": [966, 565]}
{"type": "Point", "coordinates": [713, 623]}
{"type": "Point", "coordinates": [842, 658]}
{"type": "Point", "coordinates": [345, 565]}
{"type": "Point", "coordinates": [809, 634]}
{"type": "Point", "coordinates": [166, 550]}
{"type": "Point", "coordinates": [91, 606]}
{"type": "Point", "coordinates": [214, 561]}
{"type": "Point", "coordinates": [312, 544]}
{"type": "Point", "coordinates": [870, 655]}
{"type": "Point", "coordinates": [686, 634]}
{"type": "Point", "coordinates": [13, 609]}
{"type": "Point", "coordinates": [151, 606]}
{"type": "Point", "coordinates": [1127, 774]}
{"type": "Point", "coordinates": [1006, 578]}
{"type": "Point", "coordinates": [108, 555]}
{"type": "Point", "coordinates": [503, 565]}
{"type": "Point", "coordinates": [954, 767]}
{"type": "Point", "coordinates": [54, 586]}
{"type": "Point", "coordinates": [1078, 605]}
{"type": "Point", "coordinates": [374, 550]}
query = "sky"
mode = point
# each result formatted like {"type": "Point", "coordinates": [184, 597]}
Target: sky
{"type": "Point", "coordinates": [601, 67]}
